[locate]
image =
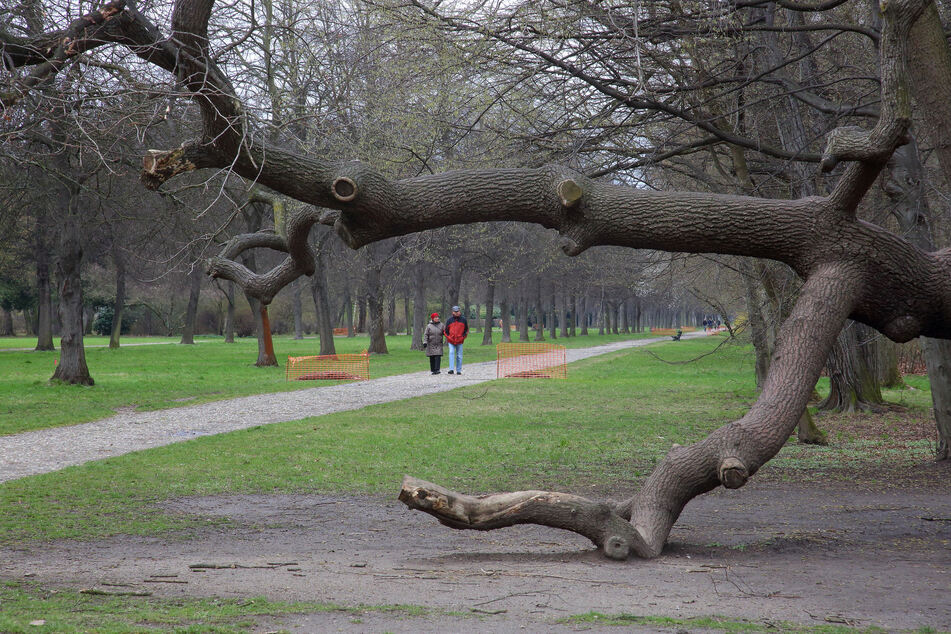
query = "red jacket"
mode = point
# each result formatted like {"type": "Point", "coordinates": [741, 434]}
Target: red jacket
{"type": "Point", "coordinates": [457, 329]}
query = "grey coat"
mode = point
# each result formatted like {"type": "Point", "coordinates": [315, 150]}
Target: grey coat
{"type": "Point", "coordinates": [432, 339]}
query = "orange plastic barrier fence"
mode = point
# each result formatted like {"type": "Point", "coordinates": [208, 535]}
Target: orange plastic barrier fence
{"type": "Point", "coordinates": [670, 331]}
{"type": "Point", "coordinates": [329, 367]}
{"type": "Point", "coordinates": [531, 361]}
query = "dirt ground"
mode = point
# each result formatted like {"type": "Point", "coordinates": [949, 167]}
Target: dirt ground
{"type": "Point", "coordinates": [863, 554]}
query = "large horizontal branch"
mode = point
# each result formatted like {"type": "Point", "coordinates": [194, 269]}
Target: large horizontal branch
{"type": "Point", "coordinates": [597, 521]}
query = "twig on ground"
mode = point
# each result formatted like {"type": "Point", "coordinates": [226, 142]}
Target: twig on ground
{"type": "Point", "coordinates": [105, 593]}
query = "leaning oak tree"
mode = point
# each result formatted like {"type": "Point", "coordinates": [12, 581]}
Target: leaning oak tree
{"type": "Point", "coordinates": [851, 269]}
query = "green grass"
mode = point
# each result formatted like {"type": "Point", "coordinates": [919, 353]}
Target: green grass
{"type": "Point", "coordinates": [720, 624]}
{"type": "Point", "coordinates": [599, 431]}
{"type": "Point", "coordinates": [64, 611]}
{"type": "Point", "coordinates": [162, 376]}
{"type": "Point", "coordinates": [602, 428]}
{"type": "Point", "coordinates": [20, 343]}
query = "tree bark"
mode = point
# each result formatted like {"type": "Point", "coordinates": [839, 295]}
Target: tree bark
{"type": "Point", "coordinates": [229, 315]}
{"type": "Point", "coordinates": [852, 385]}
{"type": "Point", "coordinates": [72, 361]}
{"type": "Point", "coordinates": [505, 320]}
{"type": "Point", "coordinates": [583, 312]}
{"type": "Point", "coordinates": [419, 308]}
{"type": "Point", "coordinates": [318, 290]}
{"type": "Point", "coordinates": [6, 323]}
{"type": "Point", "coordinates": [489, 310]}
{"type": "Point", "coordinates": [44, 295]}
{"type": "Point", "coordinates": [758, 335]}
{"type": "Point", "coordinates": [523, 317]}
{"type": "Point", "coordinates": [374, 303]}
{"type": "Point", "coordinates": [938, 359]}
{"type": "Point", "coordinates": [191, 311]}
{"type": "Point", "coordinates": [391, 317]}
{"type": "Point", "coordinates": [539, 310]}
{"type": "Point", "coordinates": [298, 309]}
{"type": "Point", "coordinates": [929, 63]}
{"type": "Point", "coordinates": [118, 307]}
{"type": "Point", "coordinates": [266, 356]}
{"type": "Point", "coordinates": [362, 314]}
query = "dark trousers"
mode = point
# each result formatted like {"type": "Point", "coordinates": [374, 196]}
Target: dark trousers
{"type": "Point", "coordinates": [434, 363]}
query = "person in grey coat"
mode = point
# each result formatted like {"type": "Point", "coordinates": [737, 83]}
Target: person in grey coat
{"type": "Point", "coordinates": [432, 342]}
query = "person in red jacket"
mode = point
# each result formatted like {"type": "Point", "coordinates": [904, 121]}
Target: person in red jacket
{"type": "Point", "coordinates": [457, 329]}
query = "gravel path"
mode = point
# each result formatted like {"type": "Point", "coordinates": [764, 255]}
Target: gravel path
{"type": "Point", "coordinates": [46, 450]}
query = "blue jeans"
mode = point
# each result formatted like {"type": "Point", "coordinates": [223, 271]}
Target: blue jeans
{"type": "Point", "coordinates": [455, 357]}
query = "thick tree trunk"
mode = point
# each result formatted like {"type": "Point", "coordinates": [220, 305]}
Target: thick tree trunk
{"type": "Point", "coordinates": [266, 356]}
{"type": "Point", "coordinates": [419, 308]}
{"type": "Point", "coordinates": [938, 359]}
{"type": "Point", "coordinates": [758, 334]}
{"type": "Point", "coordinates": [852, 385]}
{"type": "Point", "coordinates": [505, 320]}
{"type": "Point", "coordinates": [229, 315]}
{"type": "Point", "coordinates": [887, 371]}
{"type": "Point", "coordinates": [374, 303]}
{"type": "Point", "coordinates": [298, 308]}
{"type": "Point", "coordinates": [563, 315]}
{"type": "Point", "coordinates": [348, 312]}
{"type": "Point", "coordinates": [6, 323]}
{"type": "Point", "coordinates": [362, 314]}
{"type": "Point", "coordinates": [72, 361]}
{"type": "Point", "coordinates": [583, 314]}
{"type": "Point", "coordinates": [539, 310]}
{"type": "Point", "coordinates": [191, 311]}
{"type": "Point", "coordinates": [602, 308]}
{"type": "Point", "coordinates": [454, 287]}
{"type": "Point", "coordinates": [391, 317]}
{"type": "Point", "coordinates": [44, 295]}
{"type": "Point", "coordinates": [808, 433]}
{"type": "Point", "coordinates": [262, 324]}
{"type": "Point", "coordinates": [523, 317]}
{"type": "Point", "coordinates": [325, 326]}
{"type": "Point", "coordinates": [929, 63]}
{"type": "Point", "coordinates": [118, 307]}
{"type": "Point", "coordinates": [489, 310]}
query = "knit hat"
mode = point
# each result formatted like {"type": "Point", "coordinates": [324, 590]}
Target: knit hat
{"type": "Point", "coordinates": [434, 315]}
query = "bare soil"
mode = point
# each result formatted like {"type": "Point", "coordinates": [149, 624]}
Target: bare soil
{"type": "Point", "coordinates": [864, 554]}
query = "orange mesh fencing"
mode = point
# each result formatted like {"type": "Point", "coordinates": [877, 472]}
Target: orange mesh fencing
{"type": "Point", "coordinates": [670, 331]}
{"type": "Point", "coordinates": [329, 367]}
{"type": "Point", "coordinates": [531, 361]}
{"type": "Point", "coordinates": [340, 332]}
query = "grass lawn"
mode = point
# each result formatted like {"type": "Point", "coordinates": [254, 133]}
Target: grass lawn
{"type": "Point", "coordinates": [600, 431]}
{"type": "Point", "coordinates": [161, 376]}
{"type": "Point", "coordinates": [29, 608]}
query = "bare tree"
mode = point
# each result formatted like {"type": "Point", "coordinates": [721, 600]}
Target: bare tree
{"type": "Point", "coordinates": [851, 269]}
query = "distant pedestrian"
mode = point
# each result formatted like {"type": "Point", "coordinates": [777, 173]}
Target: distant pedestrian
{"type": "Point", "coordinates": [432, 342]}
{"type": "Point", "coordinates": [457, 329]}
